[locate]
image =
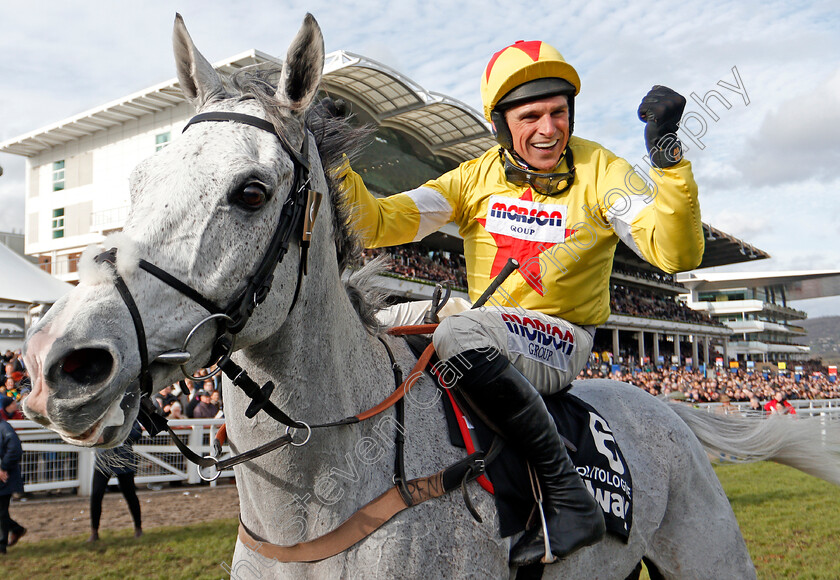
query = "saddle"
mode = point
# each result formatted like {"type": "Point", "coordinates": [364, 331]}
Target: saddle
{"type": "Point", "coordinates": [591, 446]}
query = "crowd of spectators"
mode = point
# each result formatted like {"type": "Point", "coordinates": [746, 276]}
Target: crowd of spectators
{"type": "Point", "coordinates": [660, 277]}
{"type": "Point", "coordinates": [14, 381]}
{"type": "Point", "coordinates": [632, 301]}
{"type": "Point", "coordinates": [417, 262]}
{"type": "Point", "coordinates": [756, 388]}
{"type": "Point", "coordinates": [199, 398]}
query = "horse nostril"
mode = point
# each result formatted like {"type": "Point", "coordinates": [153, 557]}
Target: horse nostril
{"type": "Point", "coordinates": [87, 365]}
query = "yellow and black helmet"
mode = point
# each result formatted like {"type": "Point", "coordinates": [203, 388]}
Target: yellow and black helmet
{"type": "Point", "coordinates": [525, 71]}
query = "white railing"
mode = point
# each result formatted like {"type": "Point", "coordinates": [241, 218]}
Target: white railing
{"type": "Point", "coordinates": [828, 409]}
{"type": "Point", "coordinates": [49, 463]}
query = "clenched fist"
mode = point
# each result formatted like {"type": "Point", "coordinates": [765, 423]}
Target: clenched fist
{"type": "Point", "coordinates": [661, 110]}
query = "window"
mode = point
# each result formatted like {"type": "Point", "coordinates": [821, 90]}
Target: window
{"type": "Point", "coordinates": [58, 223]}
{"type": "Point", "coordinates": [58, 175]}
{"type": "Point", "coordinates": [161, 140]}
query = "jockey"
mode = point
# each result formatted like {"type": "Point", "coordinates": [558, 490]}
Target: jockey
{"type": "Point", "coordinates": [558, 204]}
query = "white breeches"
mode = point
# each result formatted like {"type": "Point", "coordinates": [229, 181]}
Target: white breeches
{"type": "Point", "coordinates": [548, 351]}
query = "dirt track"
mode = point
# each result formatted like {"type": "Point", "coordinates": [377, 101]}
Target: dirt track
{"type": "Point", "coordinates": [61, 516]}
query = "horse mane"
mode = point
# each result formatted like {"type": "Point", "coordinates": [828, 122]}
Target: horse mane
{"type": "Point", "coordinates": [338, 141]}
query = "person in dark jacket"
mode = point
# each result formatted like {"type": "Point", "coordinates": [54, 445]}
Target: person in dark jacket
{"type": "Point", "coordinates": [205, 409]}
{"type": "Point", "coordinates": [120, 463]}
{"type": "Point", "coordinates": [11, 480]}
{"type": "Point", "coordinates": [9, 411]}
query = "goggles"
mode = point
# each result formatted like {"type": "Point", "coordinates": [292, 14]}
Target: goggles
{"type": "Point", "coordinates": [542, 183]}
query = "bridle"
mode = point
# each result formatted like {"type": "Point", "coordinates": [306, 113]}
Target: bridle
{"type": "Point", "coordinates": [234, 316]}
{"type": "Point", "coordinates": [297, 216]}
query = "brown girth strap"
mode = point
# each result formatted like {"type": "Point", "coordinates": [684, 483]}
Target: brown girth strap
{"type": "Point", "coordinates": [371, 517]}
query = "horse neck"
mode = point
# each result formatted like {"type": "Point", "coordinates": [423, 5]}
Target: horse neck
{"type": "Point", "coordinates": [323, 359]}
{"type": "Point", "coordinates": [326, 367]}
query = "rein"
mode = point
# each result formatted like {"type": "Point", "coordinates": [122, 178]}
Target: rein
{"type": "Point", "coordinates": [297, 215]}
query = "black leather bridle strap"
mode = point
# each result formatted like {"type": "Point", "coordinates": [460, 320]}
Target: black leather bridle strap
{"type": "Point", "coordinates": [110, 257]}
{"type": "Point", "coordinates": [181, 287]}
{"type": "Point", "coordinates": [291, 222]}
{"type": "Point", "coordinates": [254, 122]}
{"type": "Point", "coordinates": [145, 374]}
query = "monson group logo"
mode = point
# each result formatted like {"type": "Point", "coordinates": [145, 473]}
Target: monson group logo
{"type": "Point", "coordinates": [527, 220]}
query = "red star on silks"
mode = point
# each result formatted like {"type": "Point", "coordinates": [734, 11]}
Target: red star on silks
{"type": "Point", "coordinates": [522, 251]}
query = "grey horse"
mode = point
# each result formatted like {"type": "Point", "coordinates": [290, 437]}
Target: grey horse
{"type": "Point", "coordinates": [203, 209]}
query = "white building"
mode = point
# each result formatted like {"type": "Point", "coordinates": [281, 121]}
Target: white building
{"type": "Point", "coordinates": [756, 307]}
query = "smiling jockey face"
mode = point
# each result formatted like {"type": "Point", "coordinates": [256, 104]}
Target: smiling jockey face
{"type": "Point", "coordinates": [529, 74]}
{"type": "Point", "coordinates": [540, 130]}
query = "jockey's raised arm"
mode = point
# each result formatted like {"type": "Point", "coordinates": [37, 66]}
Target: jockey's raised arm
{"type": "Point", "coordinates": [660, 223]}
{"type": "Point", "coordinates": [558, 204]}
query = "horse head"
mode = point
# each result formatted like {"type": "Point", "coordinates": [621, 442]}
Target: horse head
{"type": "Point", "coordinates": [205, 210]}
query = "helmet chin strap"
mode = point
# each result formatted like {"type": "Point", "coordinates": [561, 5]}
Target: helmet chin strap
{"type": "Point", "coordinates": [518, 172]}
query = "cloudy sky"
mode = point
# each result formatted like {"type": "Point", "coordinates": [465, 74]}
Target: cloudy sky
{"type": "Point", "coordinates": [767, 165]}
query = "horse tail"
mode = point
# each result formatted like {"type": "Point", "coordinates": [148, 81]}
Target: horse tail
{"type": "Point", "coordinates": [804, 443]}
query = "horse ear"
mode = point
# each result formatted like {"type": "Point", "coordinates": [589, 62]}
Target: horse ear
{"type": "Point", "coordinates": [302, 68]}
{"type": "Point", "coordinates": [200, 82]}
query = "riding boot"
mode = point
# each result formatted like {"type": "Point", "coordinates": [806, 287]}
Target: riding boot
{"type": "Point", "coordinates": [497, 390]}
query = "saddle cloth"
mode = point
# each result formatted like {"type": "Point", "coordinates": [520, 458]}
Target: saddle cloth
{"type": "Point", "coordinates": [593, 451]}
{"type": "Point", "coordinates": [591, 446]}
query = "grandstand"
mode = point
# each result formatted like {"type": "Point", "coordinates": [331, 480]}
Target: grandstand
{"type": "Point", "coordinates": [77, 193]}
{"type": "Point", "coordinates": [756, 308]}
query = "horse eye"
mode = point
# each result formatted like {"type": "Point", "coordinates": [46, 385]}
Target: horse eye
{"type": "Point", "coordinates": [252, 196]}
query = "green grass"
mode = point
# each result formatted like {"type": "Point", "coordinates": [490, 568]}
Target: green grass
{"type": "Point", "coordinates": [790, 521]}
{"type": "Point", "coordinates": [188, 552]}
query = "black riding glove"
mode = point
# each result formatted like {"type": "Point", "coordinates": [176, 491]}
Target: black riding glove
{"type": "Point", "coordinates": [661, 110]}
